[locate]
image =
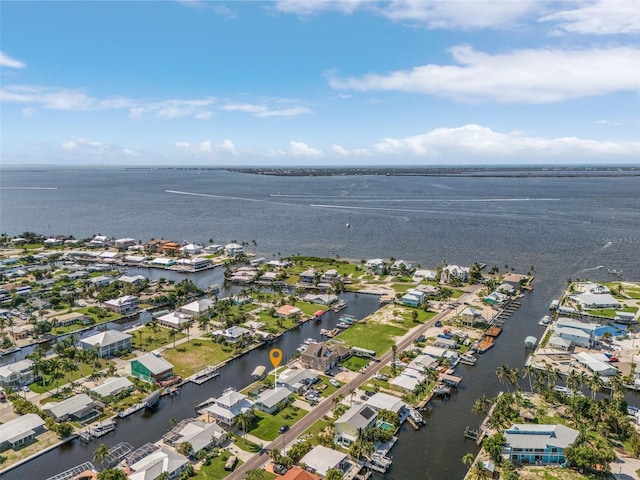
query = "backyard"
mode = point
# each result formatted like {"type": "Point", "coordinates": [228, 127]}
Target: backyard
{"type": "Point", "coordinates": [189, 357]}
{"type": "Point", "coordinates": [266, 426]}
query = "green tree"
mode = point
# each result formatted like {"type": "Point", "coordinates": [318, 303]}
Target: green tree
{"type": "Point", "coordinates": [257, 474]}
{"type": "Point", "coordinates": [185, 448]}
{"type": "Point", "coordinates": [100, 453]}
{"type": "Point", "coordinates": [494, 444]}
{"type": "Point", "coordinates": [112, 474]}
{"type": "Point", "coordinates": [334, 474]}
{"type": "Point", "coordinates": [479, 471]}
{"type": "Point", "coordinates": [468, 459]}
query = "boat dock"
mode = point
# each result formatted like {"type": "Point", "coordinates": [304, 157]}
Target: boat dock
{"type": "Point", "coordinates": [202, 405]}
{"type": "Point", "coordinates": [131, 410]}
{"type": "Point", "coordinates": [97, 430]}
{"type": "Point", "coordinates": [204, 375]}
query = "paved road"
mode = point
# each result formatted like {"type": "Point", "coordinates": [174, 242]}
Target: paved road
{"type": "Point", "coordinates": [259, 460]}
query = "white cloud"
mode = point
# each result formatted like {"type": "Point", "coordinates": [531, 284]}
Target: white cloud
{"type": "Point", "coordinates": [340, 150]}
{"type": "Point", "coordinates": [299, 149]}
{"type": "Point", "coordinates": [527, 76]}
{"type": "Point", "coordinates": [312, 7]}
{"type": "Point", "coordinates": [28, 112]}
{"type": "Point", "coordinates": [460, 14]}
{"type": "Point", "coordinates": [84, 147]}
{"type": "Point", "coordinates": [7, 61]}
{"type": "Point", "coordinates": [207, 148]}
{"type": "Point", "coordinates": [264, 111]}
{"type": "Point", "coordinates": [479, 141]}
{"type": "Point", "coordinates": [602, 17]}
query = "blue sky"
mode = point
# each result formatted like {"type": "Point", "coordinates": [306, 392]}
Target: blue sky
{"type": "Point", "coordinates": [320, 82]}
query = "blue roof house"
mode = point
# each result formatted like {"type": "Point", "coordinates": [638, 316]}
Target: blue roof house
{"type": "Point", "coordinates": [538, 444]}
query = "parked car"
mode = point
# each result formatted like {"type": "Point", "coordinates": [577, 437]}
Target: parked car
{"type": "Point", "coordinates": [283, 428]}
{"type": "Point", "coordinates": [335, 383]}
{"type": "Point", "coordinates": [279, 469]}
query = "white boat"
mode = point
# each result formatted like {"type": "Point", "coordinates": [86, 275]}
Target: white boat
{"type": "Point", "coordinates": [302, 348]}
{"type": "Point", "coordinates": [544, 320]}
{"type": "Point", "coordinates": [468, 359]}
{"type": "Point", "coordinates": [343, 325]}
{"type": "Point", "coordinates": [441, 390]}
{"type": "Point", "coordinates": [309, 341]}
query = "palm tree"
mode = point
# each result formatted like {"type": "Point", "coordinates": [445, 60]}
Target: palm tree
{"type": "Point", "coordinates": [244, 421]}
{"type": "Point", "coordinates": [513, 376]}
{"type": "Point", "coordinates": [528, 372]}
{"type": "Point", "coordinates": [479, 471]}
{"type": "Point", "coordinates": [100, 454]}
{"type": "Point", "coordinates": [595, 383]}
{"type": "Point", "coordinates": [172, 336]}
{"type": "Point", "coordinates": [468, 459]}
{"type": "Point", "coordinates": [503, 372]}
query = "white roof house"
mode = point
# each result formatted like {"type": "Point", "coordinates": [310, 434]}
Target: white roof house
{"type": "Point", "coordinates": [198, 307]}
{"type": "Point", "coordinates": [272, 398]}
{"type": "Point", "coordinates": [233, 334]}
{"type": "Point", "coordinates": [384, 401]}
{"type": "Point", "coordinates": [17, 374]}
{"type": "Point", "coordinates": [561, 343]}
{"type": "Point", "coordinates": [294, 380]}
{"type": "Point", "coordinates": [20, 430]}
{"type": "Point", "coordinates": [133, 279]}
{"type": "Point", "coordinates": [77, 407]}
{"type": "Point", "coordinates": [192, 249]}
{"type": "Point", "coordinates": [454, 271]}
{"type": "Point", "coordinates": [594, 364]}
{"type": "Point", "coordinates": [322, 459]}
{"type": "Point", "coordinates": [227, 407]}
{"type": "Point", "coordinates": [233, 249]}
{"type": "Point", "coordinates": [159, 460]}
{"type": "Point", "coordinates": [174, 319]}
{"type": "Point", "coordinates": [589, 328]}
{"type": "Point", "coordinates": [108, 342]}
{"type": "Point", "coordinates": [408, 379]}
{"type": "Point", "coordinates": [575, 335]}
{"type": "Point", "coordinates": [424, 275]}
{"type": "Point", "coordinates": [595, 300]}
{"type": "Point", "coordinates": [112, 386]}
{"type": "Point", "coordinates": [198, 433]}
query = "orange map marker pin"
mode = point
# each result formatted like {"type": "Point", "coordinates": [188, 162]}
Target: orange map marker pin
{"type": "Point", "coordinates": [276, 357]}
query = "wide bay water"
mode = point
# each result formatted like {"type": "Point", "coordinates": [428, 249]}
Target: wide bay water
{"type": "Point", "coordinates": [565, 227]}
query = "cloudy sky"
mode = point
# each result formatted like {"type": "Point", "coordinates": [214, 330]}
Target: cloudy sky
{"type": "Point", "coordinates": [320, 82]}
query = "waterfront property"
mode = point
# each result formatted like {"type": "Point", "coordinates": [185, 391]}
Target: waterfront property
{"type": "Point", "coordinates": [125, 305]}
{"type": "Point", "coordinates": [18, 432]}
{"type": "Point", "coordinates": [201, 435]}
{"type": "Point", "coordinates": [198, 308]}
{"type": "Point", "coordinates": [358, 417]}
{"type": "Point", "coordinates": [151, 368]}
{"type": "Point", "coordinates": [322, 459]}
{"type": "Point", "coordinates": [538, 444]}
{"type": "Point", "coordinates": [16, 375]}
{"type": "Point", "coordinates": [150, 461]}
{"type": "Point", "coordinates": [596, 363]}
{"type": "Point", "coordinates": [81, 408]}
{"type": "Point", "coordinates": [594, 300]}
{"type": "Point", "coordinates": [112, 387]}
{"type": "Point", "coordinates": [175, 320]}
{"type": "Point", "coordinates": [227, 407]}
{"type": "Point", "coordinates": [107, 343]}
{"type": "Point", "coordinates": [272, 400]}
{"type": "Point", "coordinates": [320, 356]}
{"type": "Point", "coordinates": [296, 380]}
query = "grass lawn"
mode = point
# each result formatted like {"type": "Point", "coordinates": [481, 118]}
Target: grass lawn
{"type": "Point", "coordinates": [329, 389]}
{"type": "Point", "coordinates": [105, 315]}
{"type": "Point", "coordinates": [402, 287]}
{"type": "Point", "coordinates": [314, 431]}
{"type": "Point", "coordinates": [190, 357]}
{"type": "Point", "coordinates": [309, 308]}
{"type": "Point", "coordinates": [246, 445]}
{"type": "Point", "coordinates": [355, 364]}
{"type": "Point", "coordinates": [215, 470]}
{"type": "Point", "coordinates": [272, 323]}
{"type": "Point", "coordinates": [146, 339]}
{"type": "Point", "coordinates": [84, 370]}
{"type": "Point", "coordinates": [372, 336]}
{"type": "Point", "coordinates": [266, 426]}
{"type": "Point", "coordinates": [552, 473]}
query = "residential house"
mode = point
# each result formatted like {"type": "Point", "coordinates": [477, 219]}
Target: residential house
{"type": "Point", "coordinates": [322, 459]}
{"type": "Point", "coordinates": [199, 308]}
{"type": "Point", "coordinates": [401, 267]}
{"type": "Point", "coordinates": [125, 305]}
{"type": "Point", "coordinates": [594, 300]}
{"type": "Point", "coordinates": [595, 363]}
{"type": "Point", "coordinates": [383, 401]}
{"type": "Point", "coordinates": [174, 320]}
{"type": "Point", "coordinates": [101, 281]}
{"type": "Point", "coordinates": [191, 249]}
{"type": "Point", "coordinates": [470, 316]}
{"type": "Point", "coordinates": [233, 334]}
{"type": "Point", "coordinates": [227, 407]}
{"type": "Point", "coordinates": [107, 343]}
{"type": "Point", "coordinates": [17, 374]}
{"type": "Point", "coordinates": [164, 262]}
{"type": "Point", "coordinates": [195, 264]}
{"type": "Point", "coordinates": [446, 342]}
{"type": "Point", "coordinates": [112, 386]}
{"type": "Point", "coordinates": [538, 444]}
{"type": "Point", "coordinates": [625, 317]}
{"type": "Point", "coordinates": [71, 318]}
{"type": "Point", "coordinates": [575, 336]}
{"type": "Point", "coordinates": [331, 276]}
{"type": "Point", "coordinates": [296, 380]}
{"type": "Point", "coordinates": [273, 400]}
{"type": "Point", "coordinates": [288, 311]}
{"type": "Point", "coordinates": [452, 273]}
{"type": "Point", "coordinates": [124, 242]}
{"type": "Point", "coordinates": [151, 368]}
{"type": "Point", "coordinates": [320, 357]}
{"type": "Point", "coordinates": [358, 417]}
{"type": "Point", "coordinates": [52, 242]}
{"type": "Point", "coordinates": [296, 473]}
{"type": "Point", "coordinates": [414, 297]}
{"type": "Point", "coordinates": [81, 408]}
{"type": "Point", "coordinates": [19, 431]}
{"type": "Point", "coordinates": [99, 241]}
{"type": "Point", "coordinates": [420, 275]}
{"type": "Point", "coordinates": [376, 266]}
{"type": "Point", "coordinates": [587, 328]}
{"type": "Point", "coordinates": [201, 435]}
{"type": "Point", "coordinates": [132, 280]}
{"type": "Point", "coordinates": [309, 276]}
{"type": "Point", "coordinates": [234, 250]}
{"type": "Point", "coordinates": [150, 461]}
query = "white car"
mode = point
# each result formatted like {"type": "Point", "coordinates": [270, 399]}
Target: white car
{"type": "Point", "coordinates": [334, 382]}
{"type": "Point", "coordinates": [24, 388]}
